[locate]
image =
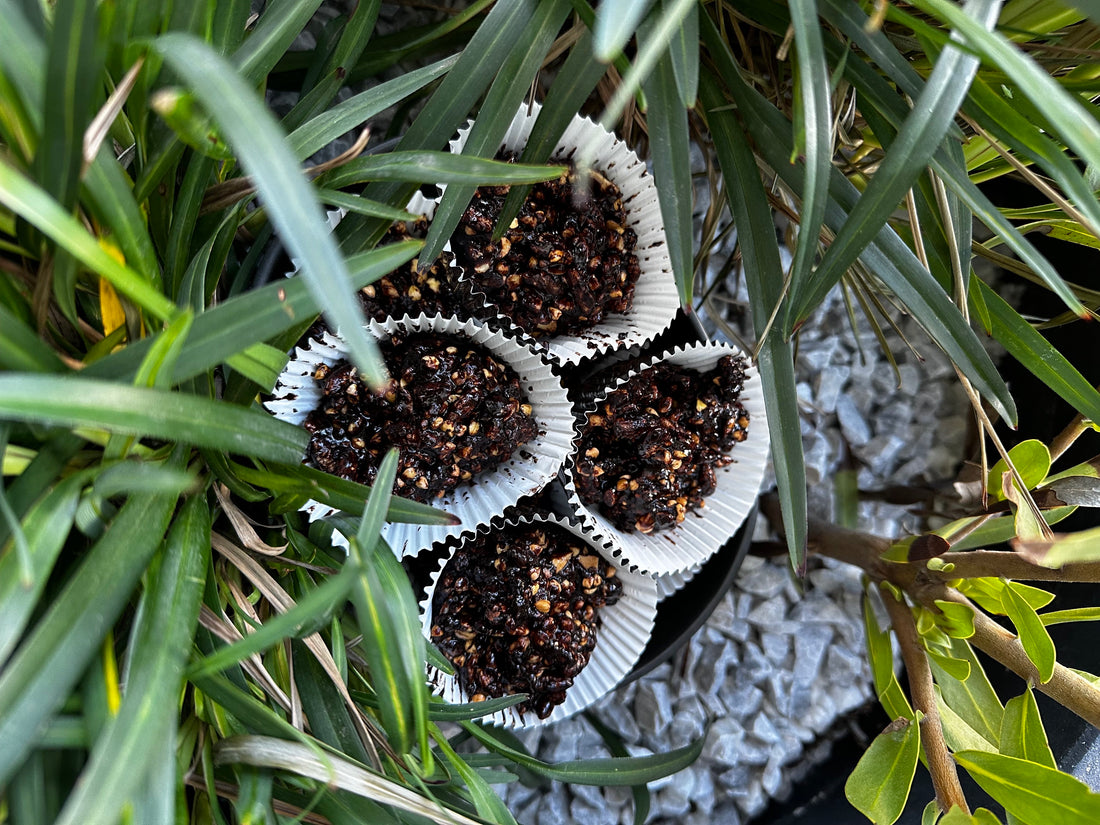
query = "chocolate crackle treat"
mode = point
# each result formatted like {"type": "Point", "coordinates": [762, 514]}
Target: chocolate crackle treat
{"type": "Point", "coordinates": [517, 610]}
{"type": "Point", "coordinates": [649, 452]}
{"type": "Point", "coordinates": [451, 408]}
{"type": "Point", "coordinates": [408, 290]}
{"type": "Point", "coordinates": [565, 263]}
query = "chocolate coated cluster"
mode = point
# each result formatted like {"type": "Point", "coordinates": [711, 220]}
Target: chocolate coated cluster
{"type": "Point", "coordinates": [517, 611]}
{"type": "Point", "coordinates": [451, 408]}
{"type": "Point", "coordinates": [564, 263]}
{"type": "Point", "coordinates": [647, 455]}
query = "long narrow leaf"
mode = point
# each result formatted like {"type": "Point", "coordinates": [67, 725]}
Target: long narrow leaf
{"type": "Point", "coordinates": [162, 643]}
{"type": "Point", "coordinates": [764, 276]}
{"type": "Point", "coordinates": [82, 402]}
{"type": "Point", "coordinates": [45, 529]}
{"type": "Point", "coordinates": [817, 125]}
{"type": "Point", "coordinates": [435, 167]}
{"type": "Point", "coordinates": [668, 141]}
{"type": "Point", "coordinates": [352, 113]}
{"type": "Point", "coordinates": [43, 671]}
{"type": "Point", "coordinates": [511, 84]}
{"type": "Point", "coordinates": [616, 22]}
{"type": "Point", "coordinates": [887, 256]}
{"type": "Point", "coordinates": [289, 200]}
{"type": "Point", "coordinates": [258, 315]}
{"type": "Point", "coordinates": [34, 204]}
{"type": "Point", "coordinates": [933, 112]}
{"type": "Point", "coordinates": [389, 622]}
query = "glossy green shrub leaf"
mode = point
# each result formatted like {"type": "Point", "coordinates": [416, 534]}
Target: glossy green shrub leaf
{"type": "Point", "coordinates": [973, 698]}
{"type": "Point", "coordinates": [879, 786]}
{"type": "Point", "coordinates": [1033, 792]}
{"type": "Point", "coordinates": [1033, 634]}
{"type": "Point", "coordinates": [890, 695]}
{"type": "Point", "coordinates": [956, 619]}
{"type": "Point", "coordinates": [956, 731]}
{"type": "Point", "coordinates": [1063, 548]}
{"type": "Point", "coordinates": [1032, 461]}
{"type": "Point", "coordinates": [1022, 732]}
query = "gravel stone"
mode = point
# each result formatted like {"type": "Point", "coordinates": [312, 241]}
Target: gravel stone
{"type": "Point", "coordinates": [852, 423]}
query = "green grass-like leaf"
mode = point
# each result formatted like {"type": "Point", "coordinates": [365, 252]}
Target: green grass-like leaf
{"type": "Point", "coordinates": [162, 644]}
{"type": "Point", "coordinates": [46, 667]}
{"type": "Point", "coordinates": [82, 402]}
{"type": "Point", "coordinates": [289, 200]}
{"type": "Point", "coordinates": [764, 275]}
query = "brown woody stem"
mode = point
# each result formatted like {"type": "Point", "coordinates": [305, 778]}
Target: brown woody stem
{"type": "Point", "coordinates": [945, 779]}
{"type": "Point", "coordinates": [975, 563]}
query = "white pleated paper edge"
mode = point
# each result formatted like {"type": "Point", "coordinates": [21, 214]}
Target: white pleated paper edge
{"type": "Point", "coordinates": [625, 629]}
{"type": "Point", "coordinates": [676, 550]}
{"type": "Point", "coordinates": [530, 468]}
{"type": "Point", "coordinates": [655, 296]}
{"type": "Point", "coordinates": [418, 205]}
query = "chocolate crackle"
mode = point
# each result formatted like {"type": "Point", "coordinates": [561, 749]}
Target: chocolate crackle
{"type": "Point", "coordinates": [409, 290]}
{"type": "Point", "coordinates": [648, 454]}
{"type": "Point", "coordinates": [563, 265]}
{"type": "Point", "coordinates": [518, 610]}
{"type": "Point", "coordinates": [452, 410]}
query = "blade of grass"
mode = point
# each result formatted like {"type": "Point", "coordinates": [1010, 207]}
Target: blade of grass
{"type": "Point", "coordinates": [633, 770]}
{"type": "Point", "coordinates": [879, 97]}
{"type": "Point", "coordinates": [574, 83]}
{"type": "Point", "coordinates": [668, 143]}
{"type": "Point", "coordinates": [683, 50]}
{"type": "Point", "coordinates": [295, 758]}
{"type": "Point", "coordinates": [82, 402]}
{"type": "Point", "coordinates": [271, 37]}
{"type": "Point", "coordinates": [488, 805]}
{"type": "Point", "coordinates": [924, 129]}
{"type": "Point", "coordinates": [1076, 125]}
{"type": "Point", "coordinates": [35, 205]}
{"type": "Point", "coordinates": [289, 200]}
{"type": "Point", "coordinates": [21, 350]}
{"type": "Point", "coordinates": [448, 106]}
{"type": "Point", "coordinates": [817, 124]}
{"type": "Point", "coordinates": [72, 83]}
{"type": "Point", "coordinates": [435, 167]}
{"type": "Point", "coordinates": [258, 315]}
{"type": "Point", "coordinates": [495, 116]}
{"type": "Point", "coordinates": [44, 670]}
{"type": "Point", "coordinates": [362, 206]}
{"type": "Point", "coordinates": [328, 716]}
{"type": "Point", "coordinates": [764, 276]}
{"type": "Point", "coordinates": [317, 133]}
{"type": "Point", "coordinates": [44, 531]}
{"type": "Point", "coordinates": [162, 642]}
{"type": "Point", "coordinates": [301, 619]}
{"type": "Point", "coordinates": [887, 256]}
{"type": "Point", "coordinates": [389, 621]}
{"type": "Point", "coordinates": [616, 21]}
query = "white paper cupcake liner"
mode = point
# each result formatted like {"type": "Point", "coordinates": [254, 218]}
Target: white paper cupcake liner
{"type": "Point", "coordinates": [655, 296]}
{"type": "Point", "coordinates": [623, 634]}
{"type": "Point", "coordinates": [676, 550]}
{"type": "Point", "coordinates": [530, 468]}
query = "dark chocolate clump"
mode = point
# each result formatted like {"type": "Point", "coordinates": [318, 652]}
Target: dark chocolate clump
{"type": "Point", "coordinates": [648, 453]}
{"type": "Point", "coordinates": [435, 290]}
{"type": "Point", "coordinates": [517, 611]}
{"type": "Point", "coordinates": [451, 408]}
{"type": "Point", "coordinates": [564, 263]}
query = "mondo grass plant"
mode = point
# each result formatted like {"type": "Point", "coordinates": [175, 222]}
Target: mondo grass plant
{"type": "Point", "coordinates": [179, 645]}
